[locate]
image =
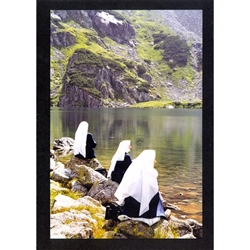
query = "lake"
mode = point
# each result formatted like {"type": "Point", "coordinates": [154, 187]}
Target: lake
{"type": "Point", "coordinates": [175, 134]}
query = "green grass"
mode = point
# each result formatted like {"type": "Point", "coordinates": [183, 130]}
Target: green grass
{"type": "Point", "coordinates": [152, 104]}
{"type": "Point", "coordinates": [164, 104]}
{"type": "Point", "coordinates": [147, 27]}
{"type": "Point", "coordinates": [174, 231]}
{"type": "Point", "coordinates": [95, 211]}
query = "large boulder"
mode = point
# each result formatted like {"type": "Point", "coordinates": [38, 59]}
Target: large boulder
{"type": "Point", "coordinates": [63, 146]}
{"type": "Point", "coordinates": [74, 221]}
{"type": "Point", "coordinates": [86, 175]}
{"type": "Point", "coordinates": [61, 175]}
{"type": "Point", "coordinates": [103, 191]}
{"type": "Point", "coordinates": [93, 163]}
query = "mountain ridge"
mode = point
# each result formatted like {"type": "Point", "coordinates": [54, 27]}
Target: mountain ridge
{"type": "Point", "coordinates": [122, 58]}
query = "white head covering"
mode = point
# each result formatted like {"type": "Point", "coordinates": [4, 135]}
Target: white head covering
{"type": "Point", "coordinates": [119, 155]}
{"type": "Point", "coordinates": [80, 139]}
{"type": "Point", "coordinates": [140, 181]}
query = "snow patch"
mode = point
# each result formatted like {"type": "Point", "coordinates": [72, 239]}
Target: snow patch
{"type": "Point", "coordinates": [107, 18]}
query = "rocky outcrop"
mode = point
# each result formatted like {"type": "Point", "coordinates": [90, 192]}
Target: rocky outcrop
{"type": "Point", "coordinates": [108, 25]}
{"type": "Point", "coordinates": [90, 79]}
{"type": "Point", "coordinates": [83, 216]}
{"type": "Point", "coordinates": [77, 97]}
{"type": "Point", "coordinates": [63, 147]}
{"type": "Point", "coordinates": [79, 16]}
{"type": "Point", "coordinates": [62, 39]}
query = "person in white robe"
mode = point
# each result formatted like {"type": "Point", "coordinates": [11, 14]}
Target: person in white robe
{"type": "Point", "coordinates": [138, 193]}
{"type": "Point", "coordinates": [84, 142]}
{"type": "Point", "coordinates": [120, 162]}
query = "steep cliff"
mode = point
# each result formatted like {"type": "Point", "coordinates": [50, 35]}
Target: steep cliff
{"type": "Point", "coordinates": [120, 58]}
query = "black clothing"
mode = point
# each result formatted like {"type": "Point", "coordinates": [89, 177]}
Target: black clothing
{"type": "Point", "coordinates": [112, 211]}
{"type": "Point", "coordinates": [131, 208]}
{"type": "Point", "coordinates": [90, 144]}
{"type": "Point", "coordinates": [120, 168]}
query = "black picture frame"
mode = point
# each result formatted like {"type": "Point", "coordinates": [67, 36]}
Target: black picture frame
{"type": "Point", "coordinates": [43, 126]}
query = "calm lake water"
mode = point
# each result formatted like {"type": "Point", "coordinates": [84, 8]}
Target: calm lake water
{"type": "Point", "coordinates": [175, 134]}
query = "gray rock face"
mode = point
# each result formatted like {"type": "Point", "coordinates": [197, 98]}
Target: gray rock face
{"type": "Point", "coordinates": [77, 97]}
{"type": "Point", "coordinates": [107, 83]}
{"type": "Point", "coordinates": [79, 16]}
{"type": "Point", "coordinates": [108, 25]}
{"type": "Point", "coordinates": [62, 39]}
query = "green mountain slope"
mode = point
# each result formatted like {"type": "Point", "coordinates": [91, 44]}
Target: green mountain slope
{"type": "Point", "coordinates": [123, 58]}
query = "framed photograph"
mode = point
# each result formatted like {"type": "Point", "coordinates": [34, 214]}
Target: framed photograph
{"type": "Point", "coordinates": [134, 73]}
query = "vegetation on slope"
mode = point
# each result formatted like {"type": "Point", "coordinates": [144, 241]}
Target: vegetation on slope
{"type": "Point", "coordinates": [161, 53]}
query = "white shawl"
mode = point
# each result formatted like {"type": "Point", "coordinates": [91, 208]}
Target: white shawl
{"type": "Point", "coordinates": [119, 155]}
{"type": "Point", "coordinates": [140, 181]}
{"type": "Point", "coordinates": [81, 138]}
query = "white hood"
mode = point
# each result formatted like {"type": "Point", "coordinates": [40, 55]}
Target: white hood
{"type": "Point", "coordinates": [119, 155]}
{"type": "Point", "coordinates": [80, 139]}
{"type": "Point", "coordinates": [140, 181]}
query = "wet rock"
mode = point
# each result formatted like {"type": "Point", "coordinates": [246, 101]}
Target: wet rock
{"type": "Point", "coordinates": [168, 205]}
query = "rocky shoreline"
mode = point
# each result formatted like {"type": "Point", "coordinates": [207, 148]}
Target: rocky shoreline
{"type": "Point", "coordinates": [79, 194]}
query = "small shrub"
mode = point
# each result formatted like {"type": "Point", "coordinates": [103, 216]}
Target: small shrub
{"type": "Point", "coordinates": [176, 51]}
{"type": "Point", "coordinates": [141, 69]}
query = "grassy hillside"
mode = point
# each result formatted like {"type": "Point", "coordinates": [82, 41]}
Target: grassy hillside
{"type": "Point", "coordinates": [149, 54]}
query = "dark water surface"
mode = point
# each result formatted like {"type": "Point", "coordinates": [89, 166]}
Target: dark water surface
{"type": "Point", "coordinates": [175, 134]}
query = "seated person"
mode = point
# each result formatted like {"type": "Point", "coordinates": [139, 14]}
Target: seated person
{"type": "Point", "coordinates": [138, 193]}
{"type": "Point", "coordinates": [120, 161]}
{"type": "Point", "coordinates": [84, 142]}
